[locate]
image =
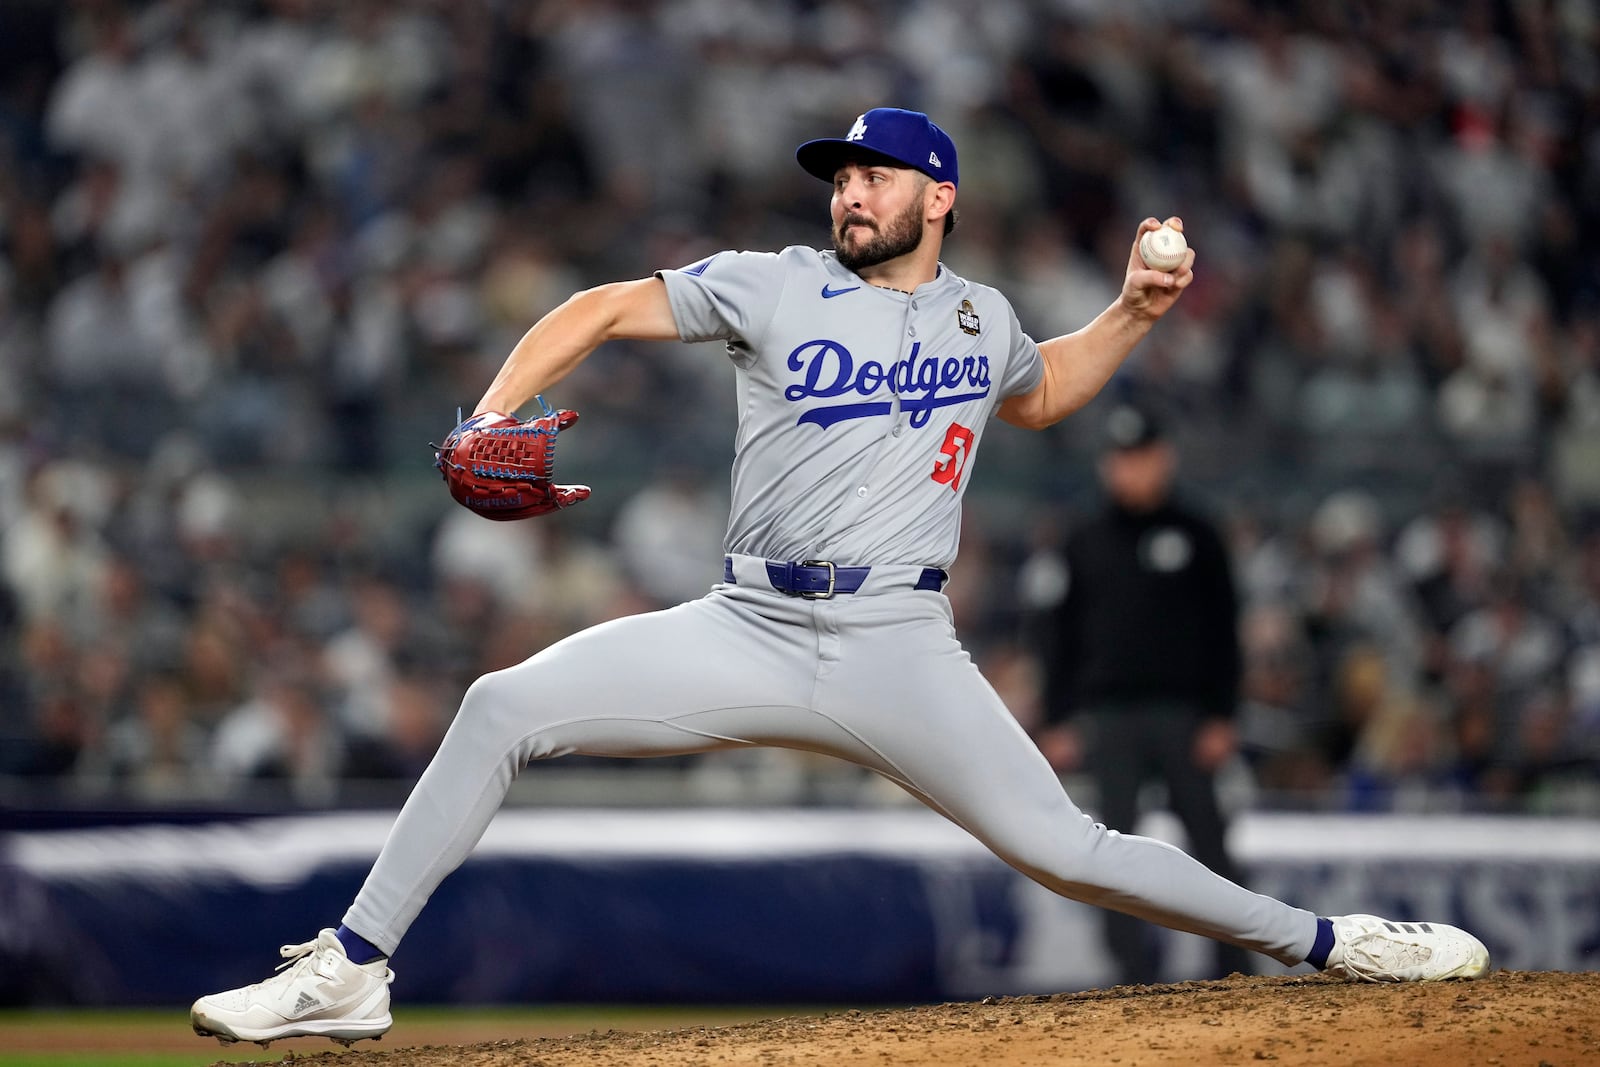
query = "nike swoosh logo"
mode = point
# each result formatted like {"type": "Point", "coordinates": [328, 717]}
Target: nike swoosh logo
{"type": "Point", "coordinates": [829, 294]}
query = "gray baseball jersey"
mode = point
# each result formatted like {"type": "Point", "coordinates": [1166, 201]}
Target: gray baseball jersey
{"type": "Point", "coordinates": [860, 411]}
{"type": "Point", "coordinates": [860, 408]}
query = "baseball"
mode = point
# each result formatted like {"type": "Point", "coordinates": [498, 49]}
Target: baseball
{"type": "Point", "coordinates": [1162, 249]}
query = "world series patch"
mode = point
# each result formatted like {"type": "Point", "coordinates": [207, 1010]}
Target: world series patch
{"type": "Point", "coordinates": [967, 318]}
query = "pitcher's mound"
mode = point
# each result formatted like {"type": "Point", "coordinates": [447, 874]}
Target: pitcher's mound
{"type": "Point", "coordinates": [1510, 1017]}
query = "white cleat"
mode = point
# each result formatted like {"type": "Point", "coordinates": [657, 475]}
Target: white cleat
{"type": "Point", "coordinates": [1369, 949]}
{"type": "Point", "coordinates": [317, 993]}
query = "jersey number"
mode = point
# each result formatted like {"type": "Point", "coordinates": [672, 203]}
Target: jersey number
{"type": "Point", "coordinates": [953, 454]}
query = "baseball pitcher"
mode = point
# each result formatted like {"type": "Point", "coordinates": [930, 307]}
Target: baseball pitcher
{"type": "Point", "coordinates": [867, 377]}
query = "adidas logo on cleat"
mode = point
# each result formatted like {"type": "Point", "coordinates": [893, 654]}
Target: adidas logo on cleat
{"type": "Point", "coordinates": [304, 1004]}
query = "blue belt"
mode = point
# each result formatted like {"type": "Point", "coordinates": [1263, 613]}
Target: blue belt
{"type": "Point", "coordinates": [819, 579]}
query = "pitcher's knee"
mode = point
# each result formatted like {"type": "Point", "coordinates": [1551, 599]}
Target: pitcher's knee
{"type": "Point", "coordinates": [489, 694]}
{"type": "Point", "coordinates": [518, 706]}
{"type": "Point", "coordinates": [501, 703]}
{"type": "Point", "coordinates": [1070, 860]}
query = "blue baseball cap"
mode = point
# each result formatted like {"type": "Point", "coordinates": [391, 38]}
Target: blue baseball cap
{"type": "Point", "coordinates": [903, 138]}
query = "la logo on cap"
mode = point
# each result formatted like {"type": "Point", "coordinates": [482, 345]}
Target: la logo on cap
{"type": "Point", "coordinates": [883, 136]}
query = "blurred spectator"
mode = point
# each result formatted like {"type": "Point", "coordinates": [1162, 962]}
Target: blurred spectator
{"type": "Point", "coordinates": [505, 559]}
{"type": "Point", "coordinates": [214, 668]}
{"type": "Point", "coordinates": [60, 734]}
{"type": "Point", "coordinates": [582, 584]}
{"type": "Point", "coordinates": [1448, 555]}
{"type": "Point", "coordinates": [128, 620]}
{"type": "Point", "coordinates": [281, 734]}
{"type": "Point", "coordinates": [1366, 705]}
{"type": "Point", "coordinates": [1583, 666]}
{"type": "Point", "coordinates": [54, 555]}
{"type": "Point", "coordinates": [1510, 638]}
{"type": "Point", "coordinates": [1402, 757]}
{"type": "Point", "coordinates": [95, 109]}
{"type": "Point", "coordinates": [416, 715]}
{"type": "Point", "coordinates": [1354, 595]}
{"type": "Point", "coordinates": [1553, 769]}
{"type": "Point", "coordinates": [1361, 407]}
{"type": "Point", "coordinates": [158, 752]}
{"type": "Point", "coordinates": [360, 661]}
{"type": "Point", "coordinates": [1279, 726]}
{"type": "Point", "coordinates": [666, 532]}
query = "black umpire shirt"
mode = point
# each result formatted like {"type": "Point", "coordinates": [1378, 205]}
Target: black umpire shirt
{"type": "Point", "coordinates": [1150, 615]}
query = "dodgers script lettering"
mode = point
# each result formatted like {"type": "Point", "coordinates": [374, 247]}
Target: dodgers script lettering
{"type": "Point", "coordinates": [828, 370]}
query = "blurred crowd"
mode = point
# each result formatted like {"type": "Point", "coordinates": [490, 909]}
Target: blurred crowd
{"type": "Point", "coordinates": [256, 252]}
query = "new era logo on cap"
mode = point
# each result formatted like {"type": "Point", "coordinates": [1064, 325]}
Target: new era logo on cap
{"type": "Point", "coordinates": [905, 138]}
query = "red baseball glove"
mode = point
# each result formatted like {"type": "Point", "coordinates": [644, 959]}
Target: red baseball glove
{"type": "Point", "coordinates": [500, 466]}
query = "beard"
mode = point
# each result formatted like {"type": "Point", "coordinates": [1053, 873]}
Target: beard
{"type": "Point", "coordinates": [899, 236]}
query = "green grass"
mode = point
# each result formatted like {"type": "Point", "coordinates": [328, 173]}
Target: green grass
{"type": "Point", "coordinates": [131, 1059]}
{"type": "Point", "coordinates": [162, 1038]}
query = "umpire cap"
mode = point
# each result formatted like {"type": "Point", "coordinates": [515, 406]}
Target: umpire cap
{"type": "Point", "coordinates": [888, 134]}
{"type": "Point", "coordinates": [1129, 426]}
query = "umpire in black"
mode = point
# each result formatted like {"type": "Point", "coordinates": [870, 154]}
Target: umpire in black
{"type": "Point", "coordinates": [1142, 660]}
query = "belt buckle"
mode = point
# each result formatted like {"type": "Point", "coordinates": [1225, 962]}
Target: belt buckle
{"type": "Point", "coordinates": [833, 574]}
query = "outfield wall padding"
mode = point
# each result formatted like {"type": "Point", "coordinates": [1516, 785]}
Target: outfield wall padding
{"type": "Point", "coordinates": [713, 906]}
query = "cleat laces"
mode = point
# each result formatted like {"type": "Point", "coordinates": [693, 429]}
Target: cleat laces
{"type": "Point", "coordinates": [294, 956]}
{"type": "Point", "coordinates": [297, 959]}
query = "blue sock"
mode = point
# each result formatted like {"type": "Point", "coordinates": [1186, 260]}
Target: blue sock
{"type": "Point", "coordinates": [358, 948]}
{"type": "Point", "coordinates": [1318, 957]}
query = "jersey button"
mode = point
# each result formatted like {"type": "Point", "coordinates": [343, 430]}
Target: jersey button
{"type": "Point", "coordinates": [895, 431]}
{"type": "Point", "coordinates": [862, 491]}
{"type": "Point", "coordinates": [911, 331]}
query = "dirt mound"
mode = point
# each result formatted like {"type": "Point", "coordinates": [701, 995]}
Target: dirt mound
{"type": "Point", "coordinates": [1540, 1019]}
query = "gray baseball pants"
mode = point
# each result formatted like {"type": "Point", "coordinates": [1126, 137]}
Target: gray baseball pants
{"type": "Point", "coordinates": [876, 677]}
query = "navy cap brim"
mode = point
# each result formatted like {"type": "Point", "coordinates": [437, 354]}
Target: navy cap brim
{"type": "Point", "coordinates": [822, 158]}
